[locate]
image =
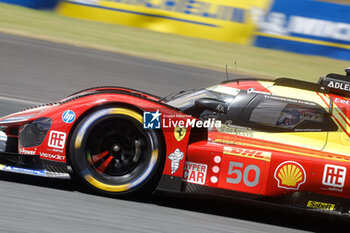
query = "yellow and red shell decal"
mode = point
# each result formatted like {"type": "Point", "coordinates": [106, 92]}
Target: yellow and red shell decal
{"type": "Point", "coordinates": [290, 175]}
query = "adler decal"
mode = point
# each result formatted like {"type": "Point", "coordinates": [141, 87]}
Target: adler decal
{"type": "Point", "coordinates": [338, 85]}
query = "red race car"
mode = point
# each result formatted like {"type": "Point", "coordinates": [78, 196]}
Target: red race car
{"type": "Point", "coordinates": [280, 141]}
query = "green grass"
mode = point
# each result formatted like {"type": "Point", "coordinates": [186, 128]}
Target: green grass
{"type": "Point", "coordinates": [165, 47]}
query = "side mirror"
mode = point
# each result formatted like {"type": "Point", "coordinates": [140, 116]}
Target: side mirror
{"type": "Point", "coordinates": [214, 105]}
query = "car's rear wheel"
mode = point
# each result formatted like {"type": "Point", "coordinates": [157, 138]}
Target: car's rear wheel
{"type": "Point", "coordinates": [112, 153]}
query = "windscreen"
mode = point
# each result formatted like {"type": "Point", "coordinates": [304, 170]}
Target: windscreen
{"type": "Point", "coordinates": [187, 100]}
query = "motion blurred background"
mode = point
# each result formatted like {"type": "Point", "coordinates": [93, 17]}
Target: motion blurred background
{"type": "Point", "coordinates": [50, 49]}
{"type": "Point", "coordinates": [251, 36]}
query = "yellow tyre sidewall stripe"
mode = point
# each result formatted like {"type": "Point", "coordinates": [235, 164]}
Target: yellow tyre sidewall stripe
{"type": "Point", "coordinates": [106, 187]}
{"type": "Point", "coordinates": [110, 111]}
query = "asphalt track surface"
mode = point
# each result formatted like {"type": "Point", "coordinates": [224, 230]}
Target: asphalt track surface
{"type": "Point", "coordinates": [33, 71]}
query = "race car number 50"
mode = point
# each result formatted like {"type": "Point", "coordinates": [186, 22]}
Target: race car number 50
{"type": "Point", "coordinates": [236, 168]}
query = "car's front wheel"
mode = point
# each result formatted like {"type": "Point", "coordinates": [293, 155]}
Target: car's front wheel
{"type": "Point", "coordinates": [112, 153]}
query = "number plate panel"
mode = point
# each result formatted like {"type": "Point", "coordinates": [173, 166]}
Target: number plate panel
{"type": "Point", "coordinates": [242, 174]}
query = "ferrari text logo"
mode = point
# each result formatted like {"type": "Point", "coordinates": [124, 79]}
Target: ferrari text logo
{"type": "Point", "coordinates": [57, 139]}
{"type": "Point", "coordinates": [290, 175]}
{"type": "Point", "coordinates": [179, 133]}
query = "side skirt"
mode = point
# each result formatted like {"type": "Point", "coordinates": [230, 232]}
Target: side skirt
{"type": "Point", "coordinates": [33, 165]}
{"type": "Point", "coordinates": [296, 201]}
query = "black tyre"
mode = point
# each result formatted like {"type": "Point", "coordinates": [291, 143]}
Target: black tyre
{"type": "Point", "coordinates": [112, 153]}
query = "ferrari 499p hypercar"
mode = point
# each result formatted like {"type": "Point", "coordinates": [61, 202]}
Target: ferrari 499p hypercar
{"type": "Point", "coordinates": [280, 141]}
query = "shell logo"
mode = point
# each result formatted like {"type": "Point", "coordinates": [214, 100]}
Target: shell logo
{"type": "Point", "coordinates": [290, 175]}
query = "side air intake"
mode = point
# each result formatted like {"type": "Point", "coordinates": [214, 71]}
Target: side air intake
{"type": "Point", "coordinates": [33, 134]}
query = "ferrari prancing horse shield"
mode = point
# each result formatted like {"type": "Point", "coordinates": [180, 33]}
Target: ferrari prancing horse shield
{"type": "Point", "coordinates": [179, 133]}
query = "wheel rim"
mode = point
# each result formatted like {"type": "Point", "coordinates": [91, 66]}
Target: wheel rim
{"type": "Point", "coordinates": [98, 142]}
{"type": "Point", "coordinates": [115, 147]}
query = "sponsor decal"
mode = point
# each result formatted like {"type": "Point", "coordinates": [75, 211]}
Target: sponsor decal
{"type": "Point", "coordinates": [341, 101]}
{"type": "Point", "coordinates": [202, 9]}
{"type": "Point", "coordinates": [151, 120]}
{"type": "Point", "coordinates": [195, 173]}
{"type": "Point", "coordinates": [339, 85]}
{"type": "Point", "coordinates": [254, 154]}
{"type": "Point", "coordinates": [26, 152]}
{"type": "Point", "coordinates": [23, 170]}
{"type": "Point", "coordinates": [290, 175]}
{"type": "Point", "coordinates": [281, 24]}
{"type": "Point", "coordinates": [175, 158]}
{"type": "Point", "coordinates": [235, 129]}
{"type": "Point", "coordinates": [179, 133]}
{"type": "Point", "coordinates": [320, 205]}
{"type": "Point", "coordinates": [307, 130]}
{"type": "Point", "coordinates": [157, 120]}
{"type": "Point", "coordinates": [51, 156]}
{"type": "Point", "coordinates": [57, 139]}
{"type": "Point", "coordinates": [68, 116]}
{"type": "Point", "coordinates": [250, 174]}
{"type": "Point", "coordinates": [56, 150]}
{"type": "Point", "coordinates": [334, 176]}
{"type": "Point", "coordinates": [188, 122]}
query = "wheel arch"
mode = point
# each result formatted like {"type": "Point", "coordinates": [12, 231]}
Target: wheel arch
{"type": "Point", "coordinates": [106, 105]}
